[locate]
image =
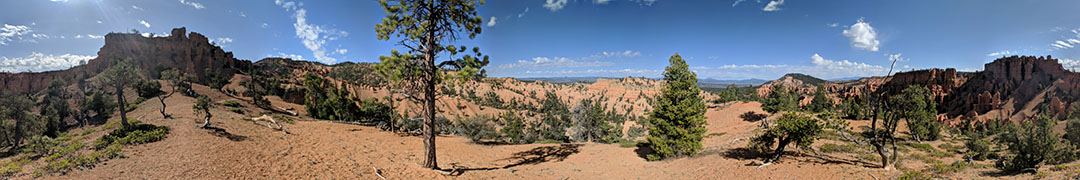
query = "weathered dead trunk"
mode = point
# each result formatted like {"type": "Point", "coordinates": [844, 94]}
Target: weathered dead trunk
{"type": "Point", "coordinates": [206, 121]}
{"type": "Point", "coordinates": [163, 114]}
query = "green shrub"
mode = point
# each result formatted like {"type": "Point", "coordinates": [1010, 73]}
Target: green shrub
{"type": "Point", "coordinates": [476, 128]}
{"type": "Point", "coordinates": [137, 134]}
{"type": "Point", "coordinates": [923, 147]}
{"type": "Point", "coordinates": [831, 148]}
{"type": "Point", "coordinates": [514, 128]}
{"type": "Point", "coordinates": [147, 89]}
{"type": "Point", "coordinates": [39, 145]}
{"type": "Point", "coordinates": [1059, 167]}
{"type": "Point", "coordinates": [941, 154]}
{"type": "Point", "coordinates": [237, 110]}
{"type": "Point", "coordinates": [914, 175]}
{"type": "Point", "coordinates": [1031, 144]}
{"type": "Point", "coordinates": [231, 103]}
{"type": "Point", "coordinates": [628, 143]}
{"type": "Point", "coordinates": [791, 127]}
{"type": "Point", "coordinates": [949, 168]}
{"type": "Point", "coordinates": [978, 148]}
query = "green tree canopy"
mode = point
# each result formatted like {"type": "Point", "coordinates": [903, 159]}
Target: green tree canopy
{"type": "Point", "coordinates": [678, 118]}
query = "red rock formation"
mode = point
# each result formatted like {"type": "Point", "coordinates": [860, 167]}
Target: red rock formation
{"type": "Point", "coordinates": [192, 54]}
{"type": "Point", "coordinates": [1018, 79]}
{"type": "Point", "coordinates": [941, 82]}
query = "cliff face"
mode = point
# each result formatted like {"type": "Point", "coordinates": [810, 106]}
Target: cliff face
{"type": "Point", "coordinates": [192, 53]}
{"type": "Point", "coordinates": [1010, 84]}
{"type": "Point", "coordinates": [941, 82]}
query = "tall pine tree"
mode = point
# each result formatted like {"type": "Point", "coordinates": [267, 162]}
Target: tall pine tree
{"type": "Point", "coordinates": [678, 118]}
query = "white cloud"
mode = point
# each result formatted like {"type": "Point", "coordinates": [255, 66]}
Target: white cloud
{"type": "Point", "coordinates": [78, 36]}
{"type": "Point", "coordinates": [38, 62]}
{"type": "Point", "coordinates": [1069, 64]}
{"type": "Point", "coordinates": [144, 23]}
{"type": "Point", "coordinates": [290, 56]}
{"type": "Point", "coordinates": [645, 2]}
{"type": "Point", "coordinates": [1063, 44]}
{"type": "Point", "coordinates": [556, 62]}
{"type": "Point", "coordinates": [555, 5]}
{"type": "Point", "coordinates": [10, 33]}
{"type": "Point", "coordinates": [834, 25]}
{"type": "Point", "coordinates": [221, 41]}
{"type": "Point", "coordinates": [192, 4]}
{"type": "Point", "coordinates": [736, 3]}
{"type": "Point", "coordinates": [242, 14]}
{"type": "Point", "coordinates": [522, 14]}
{"type": "Point", "coordinates": [99, 22]}
{"type": "Point", "coordinates": [773, 5]}
{"type": "Point", "coordinates": [862, 36]}
{"type": "Point", "coordinates": [63, 1]}
{"type": "Point", "coordinates": [491, 22]}
{"type": "Point", "coordinates": [95, 36]}
{"type": "Point", "coordinates": [601, 1]}
{"type": "Point", "coordinates": [136, 7]}
{"type": "Point", "coordinates": [314, 37]}
{"type": "Point", "coordinates": [1000, 53]}
{"type": "Point", "coordinates": [342, 51]}
{"type": "Point", "coordinates": [265, 25]}
{"type": "Point", "coordinates": [623, 54]}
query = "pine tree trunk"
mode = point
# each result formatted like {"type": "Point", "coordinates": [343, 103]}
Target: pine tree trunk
{"type": "Point", "coordinates": [123, 107]}
{"type": "Point", "coordinates": [162, 99]}
{"type": "Point", "coordinates": [779, 150]}
{"type": "Point", "coordinates": [429, 102]}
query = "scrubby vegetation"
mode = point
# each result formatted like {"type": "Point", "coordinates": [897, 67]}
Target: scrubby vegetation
{"type": "Point", "coordinates": [790, 127]}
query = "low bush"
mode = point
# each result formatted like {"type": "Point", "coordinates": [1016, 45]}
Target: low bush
{"type": "Point", "coordinates": [231, 103]}
{"type": "Point", "coordinates": [476, 128]}
{"type": "Point", "coordinates": [914, 175]}
{"type": "Point", "coordinates": [831, 148]}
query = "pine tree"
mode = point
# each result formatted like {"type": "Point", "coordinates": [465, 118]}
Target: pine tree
{"type": "Point", "coordinates": [427, 29]}
{"type": "Point", "coordinates": [678, 118]}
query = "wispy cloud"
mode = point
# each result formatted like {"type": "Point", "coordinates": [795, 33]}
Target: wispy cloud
{"type": "Point", "coordinates": [773, 5]}
{"type": "Point", "coordinates": [862, 36]}
{"type": "Point", "coordinates": [736, 3]}
{"type": "Point", "coordinates": [192, 4]}
{"type": "Point", "coordinates": [314, 37]}
{"type": "Point", "coordinates": [1069, 64]}
{"type": "Point", "coordinates": [1071, 40]}
{"type": "Point", "coordinates": [622, 54]}
{"type": "Point", "coordinates": [601, 1]}
{"type": "Point", "coordinates": [136, 7]}
{"type": "Point", "coordinates": [10, 33]}
{"type": "Point", "coordinates": [144, 23]}
{"type": "Point", "coordinates": [556, 62]}
{"type": "Point", "coordinates": [820, 67]}
{"type": "Point", "coordinates": [1000, 53]}
{"type": "Point", "coordinates": [221, 41]}
{"type": "Point", "coordinates": [38, 62]}
{"type": "Point", "coordinates": [522, 14]}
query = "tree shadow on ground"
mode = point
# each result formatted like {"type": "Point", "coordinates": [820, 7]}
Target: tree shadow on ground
{"type": "Point", "coordinates": [531, 157]}
{"type": "Point", "coordinates": [751, 116]}
{"type": "Point", "coordinates": [219, 132]}
{"type": "Point", "coordinates": [744, 154]}
{"type": "Point", "coordinates": [643, 150]}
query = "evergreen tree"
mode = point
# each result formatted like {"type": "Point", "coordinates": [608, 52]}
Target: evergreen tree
{"type": "Point", "coordinates": [54, 105]}
{"type": "Point", "coordinates": [678, 118]}
{"type": "Point", "coordinates": [202, 106]}
{"type": "Point", "coordinates": [120, 76]}
{"type": "Point", "coordinates": [791, 127]}
{"type": "Point", "coordinates": [428, 29]}
{"type": "Point", "coordinates": [916, 105]}
{"type": "Point", "coordinates": [780, 99]}
{"type": "Point", "coordinates": [821, 103]}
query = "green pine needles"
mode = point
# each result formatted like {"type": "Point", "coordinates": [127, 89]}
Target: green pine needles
{"type": "Point", "coordinates": [678, 118]}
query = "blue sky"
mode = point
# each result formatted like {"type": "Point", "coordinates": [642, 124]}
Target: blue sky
{"type": "Point", "coordinates": [722, 39]}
